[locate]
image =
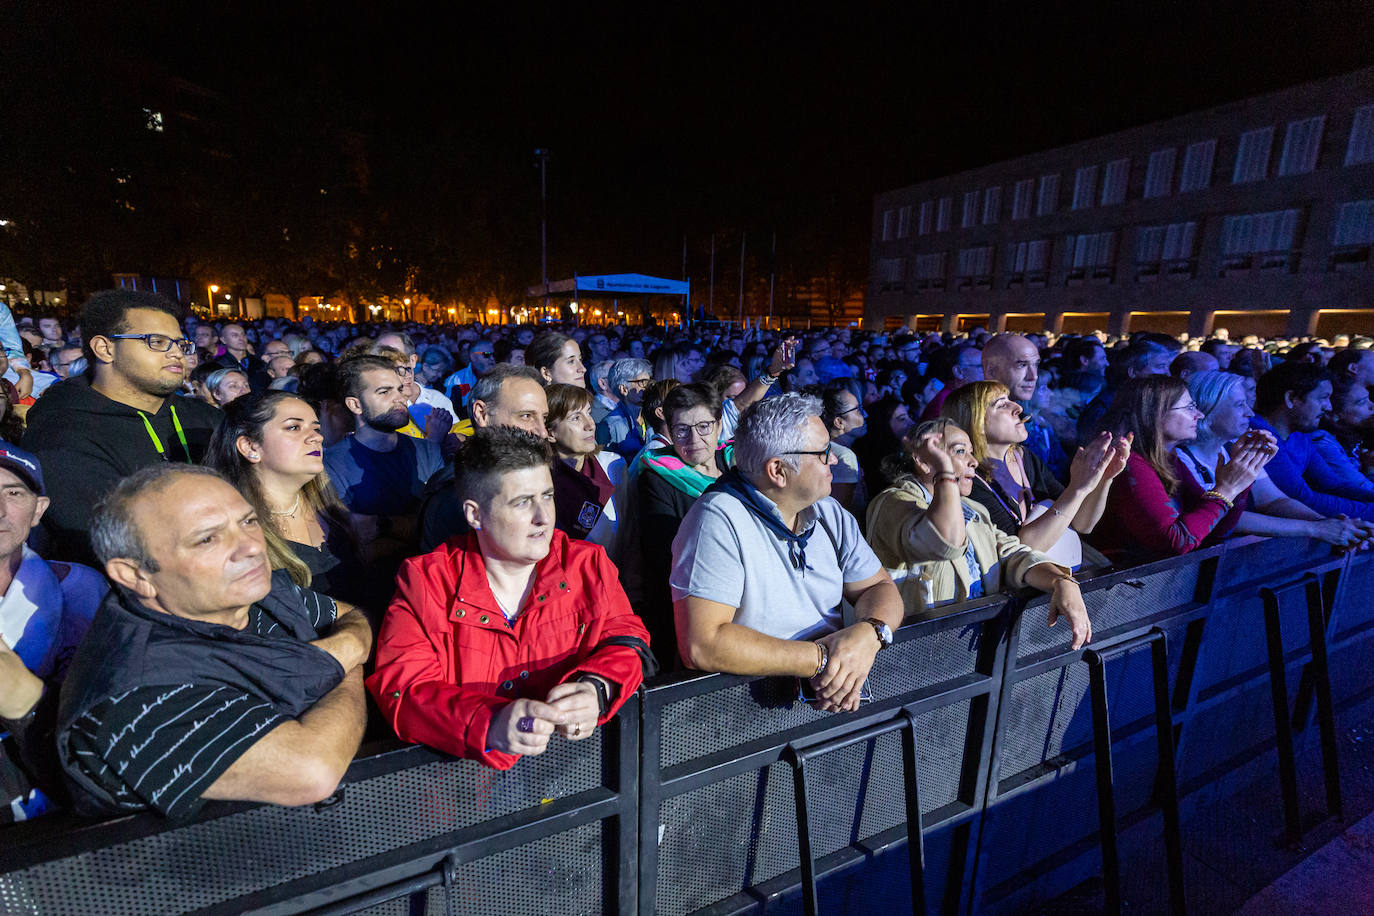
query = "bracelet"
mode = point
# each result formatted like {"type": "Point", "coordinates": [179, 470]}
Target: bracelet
{"type": "Point", "coordinates": [943, 476]}
{"type": "Point", "coordinates": [768, 380]}
{"type": "Point", "coordinates": [1213, 494]}
{"type": "Point", "coordinates": [822, 659]}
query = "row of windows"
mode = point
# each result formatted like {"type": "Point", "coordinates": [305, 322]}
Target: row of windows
{"type": "Point", "coordinates": [1250, 240]}
{"type": "Point", "coordinates": [1105, 185]}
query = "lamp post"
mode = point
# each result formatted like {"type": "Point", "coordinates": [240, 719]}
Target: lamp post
{"type": "Point", "coordinates": [213, 288]}
{"type": "Point", "coordinates": [542, 157]}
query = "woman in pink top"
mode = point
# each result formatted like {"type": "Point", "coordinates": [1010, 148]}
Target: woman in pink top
{"type": "Point", "coordinates": [1156, 508]}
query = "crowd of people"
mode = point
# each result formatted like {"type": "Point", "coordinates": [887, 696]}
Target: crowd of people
{"type": "Point", "coordinates": [229, 550]}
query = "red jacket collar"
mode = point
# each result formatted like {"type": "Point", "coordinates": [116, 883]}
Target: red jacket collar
{"type": "Point", "coordinates": [472, 589]}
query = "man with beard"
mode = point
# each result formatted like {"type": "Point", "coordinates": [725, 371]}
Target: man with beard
{"type": "Point", "coordinates": [377, 471]}
{"type": "Point", "coordinates": [88, 435]}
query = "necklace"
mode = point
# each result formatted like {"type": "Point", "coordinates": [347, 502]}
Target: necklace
{"type": "Point", "coordinates": [289, 512]}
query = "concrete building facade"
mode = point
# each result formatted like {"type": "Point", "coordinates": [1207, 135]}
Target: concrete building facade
{"type": "Point", "coordinates": [1256, 216]}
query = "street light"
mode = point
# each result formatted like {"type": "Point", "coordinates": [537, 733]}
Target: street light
{"type": "Point", "coordinates": [210, 297]}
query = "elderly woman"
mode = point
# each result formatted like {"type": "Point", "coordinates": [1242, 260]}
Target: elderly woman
{"type": "Point", "coordinates": [940, 547]}
{"type": "Point", "coordinates": [585, 479]}
{"type": "Point", "coordinates": [500, 639]}
{"type": "Point", "coordinates": [224, 385]}
{"type": "Point", "coordinates": [1220, 398]}
{"type": "Point", "coordinates": [669, 481]}
{"type": "Point", "coordinates": [1013, 483]}
{"type": "Point", "coordinates": [270, 447]}
{"type": "Point", "coordinates": [1158, 509]}
{"type": "Point", "coordinates": [557, 358]}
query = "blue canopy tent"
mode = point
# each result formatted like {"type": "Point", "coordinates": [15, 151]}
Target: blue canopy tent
{"type": "Point", "coordinates": [614, 286]}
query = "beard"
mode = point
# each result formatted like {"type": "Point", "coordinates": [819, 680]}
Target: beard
{"type": "Point", "coordinates": [389, 421]}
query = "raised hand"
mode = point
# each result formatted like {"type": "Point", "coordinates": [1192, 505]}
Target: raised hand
{"type": "Point", "coordinates": [929, 456]}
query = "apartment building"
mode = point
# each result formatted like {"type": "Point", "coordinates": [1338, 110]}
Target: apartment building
{"type": "Point", "coordinates": [1256, 216]}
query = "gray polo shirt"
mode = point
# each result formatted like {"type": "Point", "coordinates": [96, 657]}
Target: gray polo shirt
{"type": "Point", "coordinates": [720, 532]}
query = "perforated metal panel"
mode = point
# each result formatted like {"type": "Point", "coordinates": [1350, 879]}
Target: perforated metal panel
{"type": "Point", "coordinates": [556, 876]}
{"type": "Point", "coordinates": [731, 717]}
{"type": "Point", "coordinates": [741, 832]}
{"type": "Point", "coordinates": [206, 863]}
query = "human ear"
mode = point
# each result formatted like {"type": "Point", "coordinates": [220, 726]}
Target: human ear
{"type": "Point", "coordinates": [473, 514]}
{"type": "Point", "coordinates": [128, 573]}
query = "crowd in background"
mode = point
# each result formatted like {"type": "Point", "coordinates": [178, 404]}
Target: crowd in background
{"type": "Point", "coordinates": [228, 548]}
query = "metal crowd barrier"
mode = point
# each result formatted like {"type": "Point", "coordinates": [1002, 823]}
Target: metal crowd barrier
{"type": "Point", "coordinates": [976, 780]}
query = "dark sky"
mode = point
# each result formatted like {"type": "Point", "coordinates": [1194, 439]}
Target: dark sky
{"type": "Point", "coordinates": [686, 119]}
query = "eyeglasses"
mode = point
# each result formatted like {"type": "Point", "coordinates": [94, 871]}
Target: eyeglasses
{"type": "Point", "coordinates": [158, 343]}
{"type": "Point", "coordinates": [640, 383]}
{"type": "Point", "coordinates": [705, 429]}
{"type": "Point", "coordinates": [1191, 405]}
{"type": "Point", "coordinates": [858, 407]}
{"type": "Point", "coordinates": [823, 454]}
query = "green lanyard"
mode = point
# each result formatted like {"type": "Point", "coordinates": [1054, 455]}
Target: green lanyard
{"type": "Point", "coordinates": [157, 443]}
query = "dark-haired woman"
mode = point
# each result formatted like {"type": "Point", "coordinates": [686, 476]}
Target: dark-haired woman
{"type": "Point", "coordinates": [669, 481]}
{"type": "Point", "coordinates": [1156, 508]}
{"type": "Point", "coordinates": [270, 447]}
{"type": "Point", "coordinates": [585, 478]}
{"type": "Point", "coordinates": [558, 358]}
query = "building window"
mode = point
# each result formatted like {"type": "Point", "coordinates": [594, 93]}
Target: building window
{"type": "Point", "coordinates": [1252, 158]}
{"type": "Point", "coordinates": [1114, 181]}
{"type": "Point", "coordinates": [1197, 166]}
{"type": "Point", "coordinates": [1360, 149]}
{"type": "Point", "coordinates": [1354, 235]}
{"type": "Point", "coordinates": [970, 216]}
{"type": "Point", "coordinates": [1168, 250]}
{"type": "Point", "coordinates": [904, 222]}
{"type": "Point", "coordinates": [927, 220]}
{"type": "Point", "coordinates": [1028, 263]}
{"type": "Point", "coordinates": [1048, 199]}
{"type": "Point", "coordinates": [1266, 241]}
{"type": "Point", "coordinates": [975, 268]}
{"type": "Point", "coordinates": [152, 120]}
{"type": "Point", "coordinates": [890, 274]}
{"type": "Point", "coordinates": [1021, 198]}
{"type": "Point", "coordinates": [1302, 141]}
{"type": "Point", "coordinates": [887, 226]}
{"type": "Point", "coordinates": [930, 270]}
{"type": "Point", "coordinates": [1084, 187]}
{"type": "Point", "coordinates": [1159, 174]}
{"type": "Point", "coordinates": [1089, 256]}
{"type": "Point", "coordinates": [992, 204]}
{"type": "Point", "coordinates": [945, 214]}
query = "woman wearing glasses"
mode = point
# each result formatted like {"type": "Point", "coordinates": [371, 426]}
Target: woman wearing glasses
{"type": "Point", "coordinates": [669, 480]}
{"type": "Point", "coordinates": [1157, 508]}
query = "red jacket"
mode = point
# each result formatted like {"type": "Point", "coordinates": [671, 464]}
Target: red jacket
{"type": "Point", "coordinates": [447, 660]}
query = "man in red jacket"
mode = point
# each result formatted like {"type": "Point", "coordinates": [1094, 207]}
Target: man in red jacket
{"type": "Point", "coordinates": [498, 640]}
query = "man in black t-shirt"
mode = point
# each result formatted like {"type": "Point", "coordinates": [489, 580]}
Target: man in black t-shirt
{"type": "Point", "coordinates": [204, 674]}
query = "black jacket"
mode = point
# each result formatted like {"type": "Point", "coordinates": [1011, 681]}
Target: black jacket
{"type": "Point", "coordinates": [130, 646]}
{"type": "Point", "coordinates": [87, 443]}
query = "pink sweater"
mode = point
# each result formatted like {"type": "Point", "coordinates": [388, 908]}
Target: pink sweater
{"type": "Point", "coordinates": [1142, 518]}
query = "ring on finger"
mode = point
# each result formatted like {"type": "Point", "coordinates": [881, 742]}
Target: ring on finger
{"type": "Point", "coordinates": [577, 729]}
{"type": "Point", "coordinates": [526, 724]}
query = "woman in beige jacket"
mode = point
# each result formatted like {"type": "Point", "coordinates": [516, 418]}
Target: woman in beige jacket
{"type": "Point", "coordinates": [941, 547]}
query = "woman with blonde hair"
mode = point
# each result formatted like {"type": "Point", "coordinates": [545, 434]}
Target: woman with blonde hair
{"type": "Point", "coordinates": [270, 448]}
{"type": "Point", "coordinates": [1019, 491]}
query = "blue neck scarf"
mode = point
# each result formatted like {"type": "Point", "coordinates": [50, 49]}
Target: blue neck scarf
{"type": "Point", "coordinates": [734, 483]}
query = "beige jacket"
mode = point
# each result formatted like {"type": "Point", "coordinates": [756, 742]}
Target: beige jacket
{"type": "Point", "coordinates": [929, 570]}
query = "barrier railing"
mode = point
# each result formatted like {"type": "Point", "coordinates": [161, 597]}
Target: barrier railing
{"type": "Point", "coordinates": [713, 794]}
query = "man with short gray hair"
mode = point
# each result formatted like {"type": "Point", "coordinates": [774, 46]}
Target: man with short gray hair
{"type": "Point", "coordinates": [604, 398]}
{"type": "Point", "coordinates": [779, 613]}
{"type": "Point", "coordinates": [620, 430]}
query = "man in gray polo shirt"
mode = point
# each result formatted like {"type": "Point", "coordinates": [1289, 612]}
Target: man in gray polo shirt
{"type": "Point", "coordinates": [778, 611]}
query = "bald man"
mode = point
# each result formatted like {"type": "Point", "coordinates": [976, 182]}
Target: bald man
{"type": "Point", "coordinates": [1015, 362]}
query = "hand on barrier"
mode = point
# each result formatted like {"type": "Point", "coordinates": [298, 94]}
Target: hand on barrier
{"type": "Point", "coordinates": [577, 701]}
{"type": "Point", "coordinates": [852, 651]}
{"type": "Point", "coordinates": [523, 727]}
{"type": "Point", "coordinates": [1341, 532]}
{"type": "Point", "coordinates": [1067, 601]}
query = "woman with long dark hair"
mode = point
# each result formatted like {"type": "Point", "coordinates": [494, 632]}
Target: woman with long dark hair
{"type": "Point", "coordinates": [1157, 509]}
{"type": "Point", "coordinates": [270, 447]}
{"type": "Point", "coordinates": [558, 358]}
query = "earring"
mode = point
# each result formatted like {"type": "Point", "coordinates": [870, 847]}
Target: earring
{"type": "Point", "coordinates": [253, 457]}
{"type": "Point", "coordinates": [476, 527]}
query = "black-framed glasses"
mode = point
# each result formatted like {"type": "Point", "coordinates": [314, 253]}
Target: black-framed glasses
{"type": "Point", "coordinates": [640, 383]}
{"type": "Point", "coordinates": [705, 429]}
{"type": "Point", "coordinates": [159, 343]}
{"type": "Point", "coordinates": [858, 407]}
{"type": "Point", "coordinates": [823, 454]}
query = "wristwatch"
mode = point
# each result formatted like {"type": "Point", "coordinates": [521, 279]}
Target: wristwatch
{"type": "Point", "coordinates": [603, 697]}
{"type": "Point", "coordinates": [883, 630]}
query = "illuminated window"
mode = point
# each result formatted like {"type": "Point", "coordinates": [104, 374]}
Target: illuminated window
{"type": "Point", "coordinates": [975, 267]}
{"type": "Point", "coordinates": [890, 274]}
{"type": "Point", "coordinates": [152, 120]}
{"type": "Point", "coordinates": [1167, 249]}
{"type": "Point", "coordinates": [1159, 173]}
{"type": "Point", "coordinates": [1252, 158]}
{"type": "Point", "coordinates": [1302, 141]}
{"type": "Point", "coordinates": [1197, 166]}
{"type": "Point", "coordinates": [1027, 263]}
{"type": "Point", "coordinates": [1084, 186]}
{"type": "Point", "coordinates": [1048, 199]}
{"type": "Point", "coordinates": [1088, 250]}
{"type": "Point", "coordinates": [1355, 224]}
{"type": "Point", "coordinates": [930, 270]}
{"type": "Point", "coordinates": [945, 214]}
{"type": "Point", "coordinates": [927, 218]}
{"type": "Point", "coordinates": [1360, 149]}
{"type": "Point", "coordinates": [1114, 181]}
{"type": "Point", "coordinates": [904, 222]}
{"type": "Point", "coordinates": [887, 226]}
{"type": "Point", "coordinates": [970, 215]}
{"type": "Point", "coordinates": [992, 204]}
{"type": "Point", "coordinates": [1263, 241]}
{"type": "Point", "coordinates": [1021, 198]}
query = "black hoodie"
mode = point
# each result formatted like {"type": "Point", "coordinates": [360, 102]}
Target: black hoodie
{"type": "Point", "coordinates": [86, 443]}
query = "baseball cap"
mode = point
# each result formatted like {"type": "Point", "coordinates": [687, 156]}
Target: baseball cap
{"type": "Point", "coordinates": [24, 465]}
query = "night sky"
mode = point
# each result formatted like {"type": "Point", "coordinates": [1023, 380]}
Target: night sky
{"type": "Point", "coordinates": [687, 120]}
